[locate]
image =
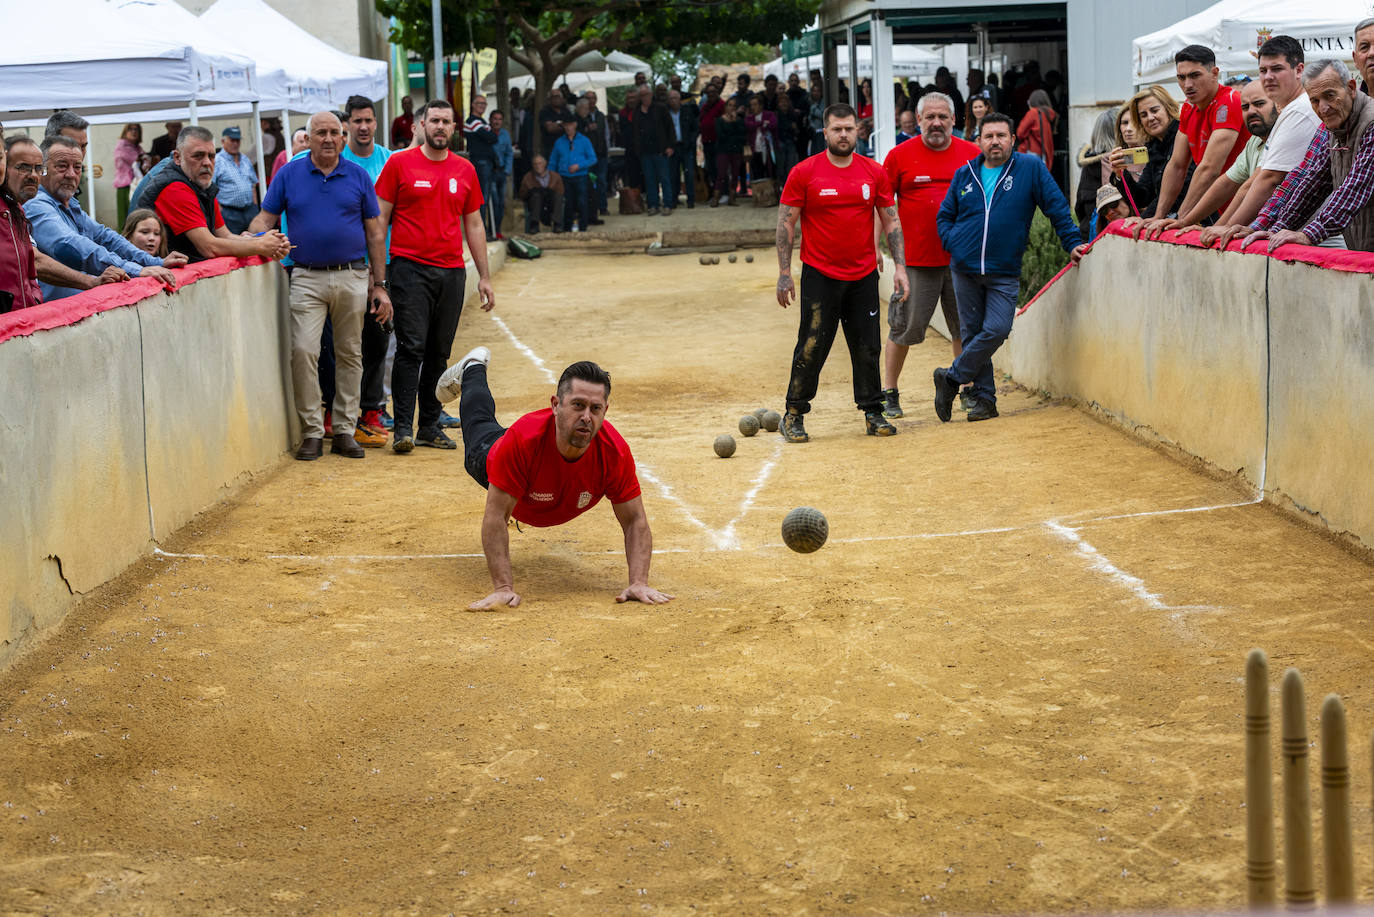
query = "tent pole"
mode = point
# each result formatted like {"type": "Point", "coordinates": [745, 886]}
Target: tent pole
{"type": "Point", "coordinates": [386, 119]}
{"type": "Point", "coordinates": [195, 116]}
{"type": "Point", "coordinates": [440, 83]}
{"type": "Point", "coordinates": [286, 127]}
{"type": "Point", "coordinates": [262, 172]}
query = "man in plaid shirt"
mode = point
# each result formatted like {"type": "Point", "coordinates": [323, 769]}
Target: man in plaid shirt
{"type": "Point", "coordinates": [1336, 178]}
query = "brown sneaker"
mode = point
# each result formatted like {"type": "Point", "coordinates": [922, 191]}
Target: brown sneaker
{"type": "Point", "coordinates": [367, 436]}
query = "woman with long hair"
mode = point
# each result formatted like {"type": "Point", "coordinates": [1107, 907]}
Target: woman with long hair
{"type": "Point", "coordinates": [1090, 159]}
{"type": "Point", "coordinates": [866, 99]}
{"type": "Point", "coordinates": [128, 157]}
{"type": "Point", "coordinates": [1035, 133]}
{"type": "Point", "coordinates": [1154, 119]}
{"type": "Point", "coordinates": [977, 108]}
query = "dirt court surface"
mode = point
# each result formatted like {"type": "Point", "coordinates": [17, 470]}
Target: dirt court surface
{"type": "Point", "coordinates": [1009, 683]}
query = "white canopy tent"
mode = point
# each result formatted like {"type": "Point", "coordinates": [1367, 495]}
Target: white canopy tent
{"type": "Point", "coordinates": [1234, 30]}
{"type": "Point", "coordinates": [907, 61]}
{"type": "Point", "coordinates": [592, 70]}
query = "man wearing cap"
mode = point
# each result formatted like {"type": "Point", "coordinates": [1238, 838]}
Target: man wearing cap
{"type": "Point", "coordinates": [572, 157]}
{"type": "Point", "coordinates": [335, 223]}
{"type": "Point", "coordinates": [238, 182]}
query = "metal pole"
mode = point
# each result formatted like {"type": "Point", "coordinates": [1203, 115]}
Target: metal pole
{"type": "Point", "coordinates": [262, 171]}
{"type": "Point", "coordinates": [440, 85]}
{"type": "Point", "coordinates": [386, 119]}
{"type": "Point", "coordinates": [884, 99]}
{"type": "Point", "coordinates": [195, 117]}
{"type": "Point", "coordinates": [853, 53]}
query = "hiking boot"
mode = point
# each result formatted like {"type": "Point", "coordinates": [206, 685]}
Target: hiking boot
{"type": "Point", "coordinates": [434, 438]}
{"type": "Point", "coordinates": [328, 422]}
{"type": "Point", "coordinates": [387, 421]}
{"type": "Point", "coordinates": [875, 424]}
{"type": "Point", "coordinates": [793, 431]}
{"type": "Point", "coordinates": [982, 409]}
{"type": "Point", "coordinates": [373, 421]}
{"type": "Point", "coordinates": [966, 400]}
{"type": "Point", "coordinates": [892, 407]}
{"type": "Point", "coordinates": [403, 442]}
{"type": "Point", "coordinates": [945, 390]}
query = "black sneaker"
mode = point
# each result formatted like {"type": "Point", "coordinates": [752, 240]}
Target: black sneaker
{"type": "Point", "coordinates": [966, 400]}
{"type": "Point", "coordinates": [434, 438]}
{"type": "Point", "coordinates": [875, 424]}
{"type": "Point", "coordinates": [792, 429]}
{"type": "Point", "coordinates": [892, 407]}
{"type": "Point", "coordinates": [402, 442]}
{"type": "Point", "coordinates": [982, 409]}
{"type": "Point", "coordinates": [945, 390]}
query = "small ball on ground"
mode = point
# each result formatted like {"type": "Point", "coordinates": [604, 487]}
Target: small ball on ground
{"type": "Point", "coordinates": [725, 445]}
{"type": "Point", "coordinates": [715, 259]}
{"type": "Point", "coordinates": [704, 259]}
{"type": "Point", "coordinates": [748, 259]}
{"type": "Point", "coordinates": [749, 425]}
{"type": "Point", "coordinates": [804, 529]}
{"type": "Point", "coordinates": [758, 413]}
{"type": "Point", "coordinates": [771, 421]}
{"type": "Point", "coordinates": [733, 259]}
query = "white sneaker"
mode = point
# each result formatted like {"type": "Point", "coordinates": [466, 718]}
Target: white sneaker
{"type": "Point", "coordinates": [450, 384]}
{"type": "Point", "coordinates": [725, 199]}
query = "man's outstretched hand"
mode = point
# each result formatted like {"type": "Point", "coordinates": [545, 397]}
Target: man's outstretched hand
{"type": "Point", "coordinates": [501, 598]}
{"type": "Point", "coordinates": [643, 593]}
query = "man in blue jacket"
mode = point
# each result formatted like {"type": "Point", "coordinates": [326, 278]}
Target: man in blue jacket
{"type": "Point", "coordinates": [572, 157]}
{"type": "Point", "coordinates": [984, 224]}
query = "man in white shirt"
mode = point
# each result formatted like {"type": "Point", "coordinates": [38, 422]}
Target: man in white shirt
{"type": "Point", "coordinates": [1280, 65]}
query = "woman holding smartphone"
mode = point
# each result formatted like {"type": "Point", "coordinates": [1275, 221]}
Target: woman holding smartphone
{"type": "Point", "coordinates": [1154, 119]}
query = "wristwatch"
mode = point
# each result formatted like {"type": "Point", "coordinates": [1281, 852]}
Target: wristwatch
{"type": "Point", "coordinates": [384, 284]}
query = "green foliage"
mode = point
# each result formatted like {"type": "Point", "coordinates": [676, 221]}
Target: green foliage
{"type": "Point", "coordinates": [687, 60]}
{"type": "Point", "coordinates": [1044, 258]}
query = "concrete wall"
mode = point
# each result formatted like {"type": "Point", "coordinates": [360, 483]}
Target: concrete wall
{"type": "Point", "coordinates": [1258, 367]}
{"type": "Point", "coordinates": [195, 382]}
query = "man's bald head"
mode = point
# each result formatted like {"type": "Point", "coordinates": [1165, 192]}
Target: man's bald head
{"type": "Point", "coordinates": [326, 138]}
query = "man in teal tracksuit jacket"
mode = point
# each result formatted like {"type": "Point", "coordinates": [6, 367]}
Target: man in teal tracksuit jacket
{"type": "Point", "coordinates": [984, 224]}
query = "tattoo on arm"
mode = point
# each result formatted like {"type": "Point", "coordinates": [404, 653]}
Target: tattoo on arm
{"type": "Point", "coordinates": [786, 215]}
{"type": "Point", "coordinates": [896, 247]}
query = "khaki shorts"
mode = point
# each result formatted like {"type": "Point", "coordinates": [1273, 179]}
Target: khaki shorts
{"type": "Point", "coordinates": [907, 321]}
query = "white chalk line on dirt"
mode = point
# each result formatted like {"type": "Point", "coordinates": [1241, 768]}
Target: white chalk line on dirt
{"type": "Point", "coordinates": [727, 535]}
{"type": "Point", "coordinates": [1101, 564]}
{"type": "Point", "coordinates": [520, 346]}
{"type": "Point", "coordinates": [329, 558]}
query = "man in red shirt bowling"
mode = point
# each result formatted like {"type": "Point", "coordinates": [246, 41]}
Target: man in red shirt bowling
{"type": "Point", "coordinates": [549, 467]}
{"type": "Point", "coordinates": [835, 194]}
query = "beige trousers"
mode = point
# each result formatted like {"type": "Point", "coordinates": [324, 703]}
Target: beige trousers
{"type": "Point", "coordinates": [342, 297]}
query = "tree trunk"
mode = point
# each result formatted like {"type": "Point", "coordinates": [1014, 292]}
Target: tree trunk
{"type": "Point", "coordinates": [503, 69]}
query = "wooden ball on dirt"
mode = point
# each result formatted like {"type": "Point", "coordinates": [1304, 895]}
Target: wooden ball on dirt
{"type": "Point", "coordinates": [704, 259]}
{"type": "Point", "coordinates": [749, 425]}
{"type": "Point", "coordinates": [725, 445]}
{"type": "Point", "coordinates": [748, 259]}
{"type": "Point", "coordinates": [733, 259]}
{"type": "Point", "coordinates": [758, 414]}
{"type": "Point", "coordinates": [771, 421]}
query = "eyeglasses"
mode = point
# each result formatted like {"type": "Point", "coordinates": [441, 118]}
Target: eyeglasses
{"type": "Point", "coordinates": [24, 168]}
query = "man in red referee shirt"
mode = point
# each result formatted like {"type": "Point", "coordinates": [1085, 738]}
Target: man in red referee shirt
{"type": "Point", "coordinates": [835, 195]}
{"type": "Point", "coordinates": [431, 199]}
{"type": "Point", "coordinates": [920, 172]}
{"type": "Point", "coordinates": [1211, 133]}
{"type": "Point", "coordinates": [549, 467]}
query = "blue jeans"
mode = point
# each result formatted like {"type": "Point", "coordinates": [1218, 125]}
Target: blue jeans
{"type": "Point", "coordinates": [575, 201]}
{"type": "Point", "coordinates": [987, 305]}
{"type": "Point", "coordinates": [683, 168]}
{"type": "Point", "coordinates": [656, 175]}
{"type": "Point", "coordinates": [485, 172]}
{"type": "Point", "coordinates": [497, 199]}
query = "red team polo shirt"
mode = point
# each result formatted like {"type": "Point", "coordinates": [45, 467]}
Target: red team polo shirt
{"type": "Point", "coordinates": [179, 208]}
{"type": "Point", "coordinates": [1222, 113]}
{"type": "Point", "coordinates": [549, 489]}
{"type": "Point", "coordinates": [920, 177]}
{"type": "Point", "coordinates": [429, 200]}
{"type": "Point", "coordinates": [837, 213]}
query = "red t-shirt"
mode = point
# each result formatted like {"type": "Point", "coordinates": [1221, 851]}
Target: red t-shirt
{"type": "Point", "coordinates": [180, 209]}
{"type": "Point", "coordinates": [837, 213]}
{"type": "Point", "coordinates": [429, 200]}
{"type": "Point", "coordinates": [920, 178]}
{"type": "Point", "coordinates": [549, 489]}
{"type": "Point", "coordinates": [1222, 113]}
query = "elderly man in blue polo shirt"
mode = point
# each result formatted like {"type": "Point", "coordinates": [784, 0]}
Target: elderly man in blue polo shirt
{"type": "Point", "coordinates": [64, 232]}
{"type": "Point", "coordinates": [335, 222]}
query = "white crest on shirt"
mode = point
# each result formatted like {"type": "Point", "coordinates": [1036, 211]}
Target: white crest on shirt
{"type": "Point", "coordinates": [867, 191]}
{"type": "Point", "coordinates": [1222, 111]}
{"type": "Point", "coordinates": [453, 186]}
{"type": "Point", "coordinates": [583, 499]}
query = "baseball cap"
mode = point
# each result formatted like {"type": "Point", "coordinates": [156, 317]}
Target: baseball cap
{"type": "Point", "coordinates": [1107, 194]}
{"type": "Point", "coordinates": [233, 133]}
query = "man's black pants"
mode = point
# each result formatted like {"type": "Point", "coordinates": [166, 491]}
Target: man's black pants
{"type": "Point", "coordinates": [824, 305]}
{"type": "Point", "coordinates": [429, 302]}
{"type": "Point", "coordinates": [477, 412]}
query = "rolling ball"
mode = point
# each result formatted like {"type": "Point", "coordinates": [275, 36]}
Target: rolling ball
{"type": "Point", "coordinates": [804, 529]}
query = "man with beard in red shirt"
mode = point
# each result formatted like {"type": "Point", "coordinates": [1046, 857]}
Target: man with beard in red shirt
{"type": "Point", "coordinates": [550, 466]}
{"type": "Point", "coordinates": [920, 172]}
{"type": "Point", "coordinates": [835, 194]}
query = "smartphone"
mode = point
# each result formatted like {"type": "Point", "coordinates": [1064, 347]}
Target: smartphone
{"type": "Point", "coordinates": [1139, 154]}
